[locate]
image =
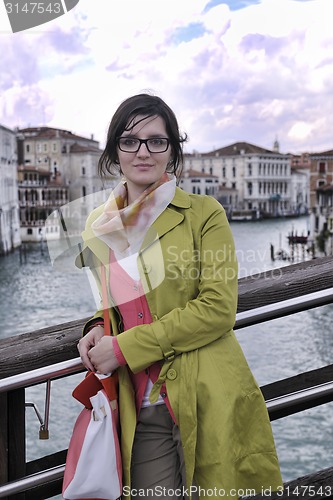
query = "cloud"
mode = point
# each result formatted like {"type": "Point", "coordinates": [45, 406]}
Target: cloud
{"type": "Point", "coordinates": [18, 65]}
{"type": "Point", "coordinates": [64, 42]}
{"type": "Point", "coordinates": [236, 70]}
{"type": "Point", "coordinates": [23, 106]}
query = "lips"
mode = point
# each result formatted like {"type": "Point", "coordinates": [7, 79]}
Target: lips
{"type": "Point", "coordinates": [143, 167]}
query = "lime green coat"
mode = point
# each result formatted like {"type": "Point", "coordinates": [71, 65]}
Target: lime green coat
{"type": "Point", "coordinates": [188, 269]}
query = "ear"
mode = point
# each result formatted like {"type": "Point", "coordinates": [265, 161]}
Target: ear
{"type": "Point", "coordinates": [170, 168]}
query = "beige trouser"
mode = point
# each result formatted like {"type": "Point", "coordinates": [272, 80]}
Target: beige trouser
{"type": "Point", "coordinates": [158, 470]}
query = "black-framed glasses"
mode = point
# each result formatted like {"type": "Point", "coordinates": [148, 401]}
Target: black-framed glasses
{"type": "Point", "coordinates": [133, 144]}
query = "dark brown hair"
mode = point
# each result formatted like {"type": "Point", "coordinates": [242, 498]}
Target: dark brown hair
{"type": "Point", "coordinates": [148, 106]}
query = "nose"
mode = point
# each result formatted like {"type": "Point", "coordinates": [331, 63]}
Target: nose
{"type": "Point", "coordinates": [143, 152]}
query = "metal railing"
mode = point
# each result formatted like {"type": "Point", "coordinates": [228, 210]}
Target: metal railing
{"type": "Point", "coordinates": [40, 375]}
{"type": "Point", "coordinates": [306, 397]}
{"type": "Point", "coordinates": [243, 319]}
{"type": "Point", "coordinates": [32, 481]}
{"type": "Point", "coordinates": [273, 405]}
{"type": "Point", "coordinates": [284, 308]}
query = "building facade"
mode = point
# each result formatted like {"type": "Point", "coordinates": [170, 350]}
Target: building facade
{"type": "Point", "coordinates": [58, 169]}
{"type": "Point", "coordinates": [40, 194]}
{"type": "Point", "coordinates": [197, 182]}
{"type": "Point", "coordinates": [260, 176]}
{"type": "Point", "coordinates": [321, 173]}
{"type": "Point", "coordinates": [323, 219]}
{"type": "Point", "coordinates": [321, 200]}
{"type": "Point", "coordinates": [74, 157]}
{"type": "Point", "coordinates": [9, 208]}
{"type": "Point", "coordinates": [300, 184]}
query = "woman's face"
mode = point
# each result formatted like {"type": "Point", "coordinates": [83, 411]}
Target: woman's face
{"type": "Point", "coordinates": [143, 168]}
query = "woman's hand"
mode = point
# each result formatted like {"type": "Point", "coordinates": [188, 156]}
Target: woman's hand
{"type": "Point", "coordinates": [88, 342]}
{"type": "Point", "coordinates": [102, 356]}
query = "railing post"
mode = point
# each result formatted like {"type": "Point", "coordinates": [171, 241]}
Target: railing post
{"type": "Point", "coordinates": [12, 438]}
{"type": "Point", "coordinates": [16, 437]}
{"type": "Point", "coordinates": [3, 439]}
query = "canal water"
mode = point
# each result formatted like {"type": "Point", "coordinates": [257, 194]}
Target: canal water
{"type": "Point", "coordinates": [34, 295]}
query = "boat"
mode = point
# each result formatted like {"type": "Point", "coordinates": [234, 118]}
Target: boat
{"type": "Point", "coordinates": [244, 215]}
{"type": "Point", "coordinates": [294, 239]}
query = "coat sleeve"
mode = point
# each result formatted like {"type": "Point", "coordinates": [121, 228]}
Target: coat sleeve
{"type": "Point", "coordinates": [202, 320]}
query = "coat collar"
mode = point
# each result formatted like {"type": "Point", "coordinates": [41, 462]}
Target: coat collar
{"type": "Point", "coordinates": [163, 224]}
{"type": "Point", "coordinates": [181, 199]}
{"type": "Point", "coordinates": [168, 219]}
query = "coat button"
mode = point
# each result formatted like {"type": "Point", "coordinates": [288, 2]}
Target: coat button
{"type": "Point", "coordinates": [171, 374]}
{"type": "Point", "coordinates": [147, 268]}
{"type": "Point", "coordinates": [163, 394]}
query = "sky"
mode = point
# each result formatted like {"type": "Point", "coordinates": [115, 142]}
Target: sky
{"type": "Point", "coordinates": [239, 70]}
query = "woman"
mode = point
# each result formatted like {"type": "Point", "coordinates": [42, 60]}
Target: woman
{"type": "Point", "coordinates": [193, 420]}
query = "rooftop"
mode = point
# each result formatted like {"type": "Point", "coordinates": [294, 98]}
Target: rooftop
{"type": "Point", "coordinates": [196, 173]}
{"type": "Point", "coordinates": [52, 133]}
{"type": "Point", "coordinates": [78, 148]}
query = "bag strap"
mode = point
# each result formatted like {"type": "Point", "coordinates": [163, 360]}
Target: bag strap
{"type": "Point", "coordinates": [110, 384]}
{"type": "Point", "coordinates": [107, 327]}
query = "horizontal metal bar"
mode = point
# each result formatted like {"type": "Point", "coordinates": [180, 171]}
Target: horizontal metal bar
{"type": "Point", "coordinates": [36, 410]}
{"type": "Point", "coordinates": [303, 396]}
{"type": "Point", "coordinates": [32, 377]}
{"type": "Point", "coordinates": [32, 481]}
{"type": "Point", "coordinates": [284, 308]}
